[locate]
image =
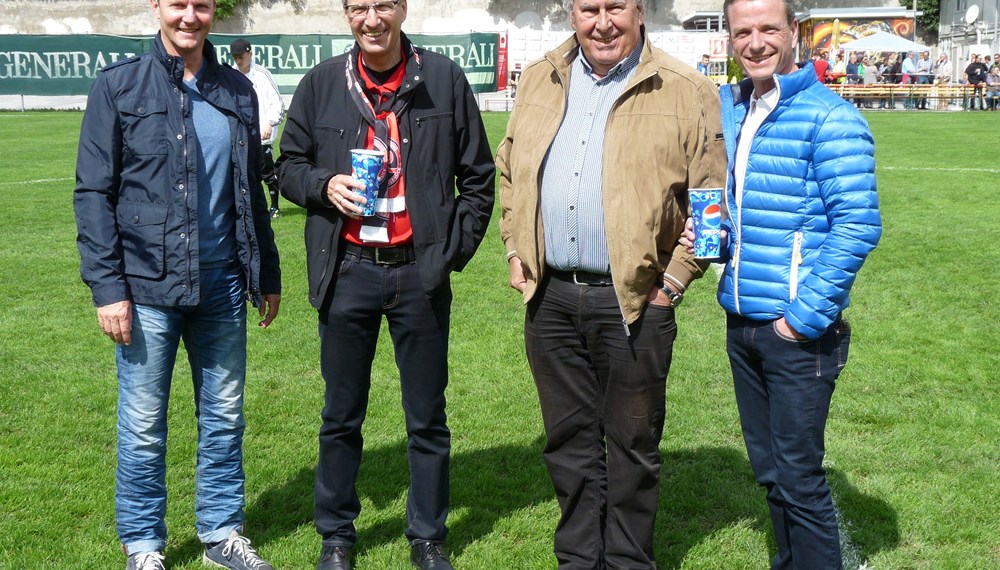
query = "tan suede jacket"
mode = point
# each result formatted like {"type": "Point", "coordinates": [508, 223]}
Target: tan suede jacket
{"type": "Point", "coordinates": [663, 136]}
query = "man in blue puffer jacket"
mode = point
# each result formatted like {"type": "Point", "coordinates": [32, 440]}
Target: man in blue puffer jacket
{"type": "Point", "coordinates": [803, 217]}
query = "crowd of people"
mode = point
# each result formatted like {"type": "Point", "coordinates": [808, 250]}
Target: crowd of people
{"type": "Point", "coordinates": [981, 72]}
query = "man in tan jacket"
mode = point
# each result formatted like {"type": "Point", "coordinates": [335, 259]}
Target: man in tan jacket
{"type": "Point", "coordinates": [606, 137]}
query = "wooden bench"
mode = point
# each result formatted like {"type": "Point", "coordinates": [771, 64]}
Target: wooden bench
{"type": "Point", "coordinates": [889, 94]}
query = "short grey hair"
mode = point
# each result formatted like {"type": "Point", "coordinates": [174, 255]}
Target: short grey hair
{"type": "Point", "coordinates": [568, 4]}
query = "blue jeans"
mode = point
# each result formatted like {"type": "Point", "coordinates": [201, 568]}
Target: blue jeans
{"type": "Point", "coordinates": [602, 395]}
{"type": "Point", "coordinates": [783, 392]}
{"type": "Point", "coordinates": [349, 324]}
{"type": "Point", "coordinates": [214, 334]}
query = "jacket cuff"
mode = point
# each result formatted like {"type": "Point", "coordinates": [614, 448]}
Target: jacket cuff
{"type": "Point", "coordinates": [108, 294]}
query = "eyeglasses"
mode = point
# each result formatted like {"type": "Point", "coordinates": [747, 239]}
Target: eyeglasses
{"type": "Point", "coordinates": [359, 11]}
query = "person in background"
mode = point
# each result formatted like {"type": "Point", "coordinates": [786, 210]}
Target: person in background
{"type": "Point", "coordinates": [975, 75]}
{"type": "Point", "coordinates": [943, 75]}
{"type": "Point", "coordinates": [838, 72]}
{"type": "Point", "coordinates": [925, 76]}
{"type": "Point", "coordinates": [603, 144]}
{"type": "Point", "coordinates": [993, 88]}
{"type": "Point", "coordinates": [174, 238]}
{"type": "Point", "coordinates": [704, 66]}
{"type": "Point", "coordinates": [822, 66]}
{"type": "Point", "coordinates": [790, 265]}
{"type": "Point", "coordinates": [434, 202]}
{"type": "Point", "coordinates": [271, 110]}
{"type": "Point", "coordinates": [870, 77]}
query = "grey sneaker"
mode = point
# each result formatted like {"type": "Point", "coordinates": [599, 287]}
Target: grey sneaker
{"type": "Point", "coordinates": [145, 561]}
{"type": "Point", "coordinates": [235, 552]}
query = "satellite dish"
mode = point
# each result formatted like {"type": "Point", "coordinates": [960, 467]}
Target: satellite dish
{"type": "Point", "coordinates": [971, 14]}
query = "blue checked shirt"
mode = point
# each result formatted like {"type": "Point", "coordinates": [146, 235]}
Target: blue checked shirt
{"type": "Point", "coordinates": [572, 176]}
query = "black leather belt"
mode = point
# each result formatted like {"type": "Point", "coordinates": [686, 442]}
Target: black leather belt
{"type": "Point", "coordinates": [389, 255]}
{"type": "Point", "coordinates": [582, 277]}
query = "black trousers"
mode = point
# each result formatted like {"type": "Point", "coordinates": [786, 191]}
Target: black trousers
{"type": "Point", "coordinates": [363, 294]}
{"type": "Point", "coordinates": [268, 175]}
{"type": "Point", "coordinates": [602, 399]}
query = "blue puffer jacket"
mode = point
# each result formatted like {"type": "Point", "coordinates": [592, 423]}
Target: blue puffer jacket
{"type": "Point", "coordinates": [808, 214]}
{"type": "Point", "coordinates": [136, 196]}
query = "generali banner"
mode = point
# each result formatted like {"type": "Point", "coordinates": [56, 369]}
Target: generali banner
{"type": "Point", "coordinates": [67, 64]}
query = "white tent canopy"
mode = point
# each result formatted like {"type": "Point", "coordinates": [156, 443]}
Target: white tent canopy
{"type": "Point", "coordinates": [883, 41]}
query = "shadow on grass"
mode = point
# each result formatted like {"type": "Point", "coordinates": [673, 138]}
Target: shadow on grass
{"type": "Point", "coordinates": [487, 485]}
{"type": "Point", "coordinates": [702, 491]}
{"type": "Point", "coordinates": [870, 522]}
{"type": "Point", "coordinates": [709, 489]}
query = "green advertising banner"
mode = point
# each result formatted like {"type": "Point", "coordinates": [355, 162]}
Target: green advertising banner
{"type": "Point", "coordinates": [67, 64]}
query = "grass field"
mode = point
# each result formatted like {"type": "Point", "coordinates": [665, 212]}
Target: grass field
{"type": "Point", "coordinates": [913, 441]}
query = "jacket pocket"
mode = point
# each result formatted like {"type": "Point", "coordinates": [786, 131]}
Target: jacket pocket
{"type": "Point", "coordinates": [142, 230]}
{"type": "Point", "coordinates": [144, 126]}
{"type": "Point", "coordinates": [793, 275]}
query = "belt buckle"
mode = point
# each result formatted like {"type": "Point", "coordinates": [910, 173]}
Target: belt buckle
{"type": "Point", "coordinates": [576, 282]}
{"type": "Point", "coordinates": [382, 256]}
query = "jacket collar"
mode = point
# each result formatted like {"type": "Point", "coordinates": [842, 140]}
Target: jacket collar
{"type": "Point", "coordinates": [788, 85]}
{"type": "Point", "coordinates": [562, 58]}
{"type": "Point", "coordinates": [174, 64]}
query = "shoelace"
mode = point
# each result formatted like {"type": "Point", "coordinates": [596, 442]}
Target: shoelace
{"type": "Point", "coordinates": [433, 551]}
{"type": "Point", "coordinates": [240, 545]}
{"type": "Point", "coordinates": [149, 561]}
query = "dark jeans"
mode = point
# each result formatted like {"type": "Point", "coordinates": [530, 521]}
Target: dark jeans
{"type": "Point", "coordinates": [977, 96]}
{"type": "Point", "coordinates": [783, 392]}
{"type": "Point", "coordinates": [349, 326]}
{"type": "Point", "coordinates": [602, 400]}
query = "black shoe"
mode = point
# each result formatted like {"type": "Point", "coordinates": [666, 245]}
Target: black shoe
{"type": "Point", "coordinates": [334, 558]}
{"type": "Point", "coordinates": [429, 556]}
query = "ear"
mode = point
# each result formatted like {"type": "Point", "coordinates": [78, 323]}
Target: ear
{"type": "Point", "coordinates": [155, 5]}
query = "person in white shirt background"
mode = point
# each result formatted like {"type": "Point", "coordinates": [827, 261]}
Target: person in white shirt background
{"type": "Point", "coordinates": [272, 112]}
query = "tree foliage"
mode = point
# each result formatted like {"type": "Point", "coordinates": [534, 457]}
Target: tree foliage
{"type": "Point", "coordinates": [929, 21]}
{"type": "Point", "coordinates": [225, 8]}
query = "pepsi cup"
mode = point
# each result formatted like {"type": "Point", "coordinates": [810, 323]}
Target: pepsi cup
{"type": "Point", "coordinates": [367, 165]}
{"type": "Point", "coordinates": [706, 213]}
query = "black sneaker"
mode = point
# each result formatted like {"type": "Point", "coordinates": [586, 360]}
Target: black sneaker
{"type": "Point", "coordinates": [145, 561]}
{"type": "Point", "coordinates": [236, 553]}
{"type": "Point", "coordinates": [429, 556]}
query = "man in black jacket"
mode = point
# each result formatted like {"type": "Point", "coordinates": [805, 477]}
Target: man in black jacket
{"type": "Point", "coordinates": [417, 109]}
{"type": "Point", "coordinates": [975, 75]}
{"type": "Point", "coordinates": [174, 238]}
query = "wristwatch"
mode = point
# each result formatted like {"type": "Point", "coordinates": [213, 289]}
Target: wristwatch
{"type": "Point", "coordinates": [674, 296]}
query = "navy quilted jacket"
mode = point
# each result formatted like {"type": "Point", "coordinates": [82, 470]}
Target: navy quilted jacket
{"type": "Point", "coordinates": [808, 214]}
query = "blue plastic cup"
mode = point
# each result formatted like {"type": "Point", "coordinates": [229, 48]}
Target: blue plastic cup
{"type": "Point", "coordinates": [367, 165]}
{"type": "Point", "coordinates": [706, 213]}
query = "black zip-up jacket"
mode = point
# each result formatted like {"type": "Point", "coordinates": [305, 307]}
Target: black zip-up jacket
{"type": "Point", "coordinates": [136, 196]}
{"type": "Point", "coordinates": [444, 146]}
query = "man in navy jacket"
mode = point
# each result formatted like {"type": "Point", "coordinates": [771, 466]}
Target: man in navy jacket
{"type": "Point", "coordinates": [174, 238]}
{"type": "Point", "coordinates": [803, 218]}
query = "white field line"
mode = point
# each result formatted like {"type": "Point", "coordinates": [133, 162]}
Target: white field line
{"type": "Point", "coordinates": [938, 169]}
{"type": "Point", "coordinates": [39, 181]}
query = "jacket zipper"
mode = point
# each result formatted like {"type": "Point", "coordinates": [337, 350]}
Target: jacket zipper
{"type": "Point", "coordinates": [738, 230]}
{"type": "Point", "coordinates": [633, 84]}
{"type": "Point", "coordinates": [187, 187]}
{"type": "Point", "coordinates": [793, 278]}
